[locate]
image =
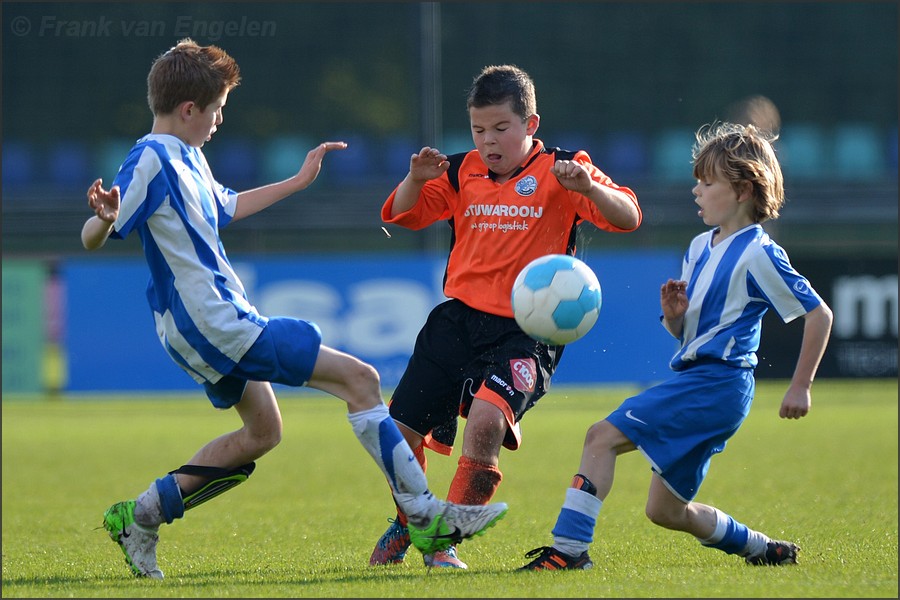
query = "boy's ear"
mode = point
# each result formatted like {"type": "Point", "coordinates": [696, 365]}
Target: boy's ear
{"type": "Point", "coordinates": [187, 109]}
{"type": "Point", "coordinates": [745, 191]}
{"type": "Point", "coordinates": [532, 123]}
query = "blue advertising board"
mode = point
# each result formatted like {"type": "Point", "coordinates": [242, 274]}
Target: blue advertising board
{"type": "Point", "coordinates": [369, 306]}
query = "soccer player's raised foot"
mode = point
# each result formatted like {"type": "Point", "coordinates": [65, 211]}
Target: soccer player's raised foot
{"type": "Point", "coordinates": [455, 523]}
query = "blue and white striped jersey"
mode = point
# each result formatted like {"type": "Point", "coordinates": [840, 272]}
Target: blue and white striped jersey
{"type": "Point", "coordinates": [730, 288]}
{"type": "Point", "coordinates": [168, 195]}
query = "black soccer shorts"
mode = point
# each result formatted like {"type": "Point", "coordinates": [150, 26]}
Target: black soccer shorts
{"type": "Point", "coordinates": [458, 350]}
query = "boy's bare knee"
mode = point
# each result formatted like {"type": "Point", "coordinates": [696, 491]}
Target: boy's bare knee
{"type": "Point", "coordinates": [263, 442]}
{"type": "Point", "coordinates": [369, 377]}
{"type": "Point", "coordinates": [364, 385]}
{"type": "Point", "coordinates": [655, 517]}
{"type": "Point", "coordinates": [272, 439]}
{"type": "Point", "coordinates": [264, 438]}
{"type": "Point", "coordinates": [598, 436]}
{"type": "Point", "coordinates": [664, 516]}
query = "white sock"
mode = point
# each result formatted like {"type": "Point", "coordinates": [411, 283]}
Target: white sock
{"type": "Point", "coordinates": [377, 432]}
{"type": "Point", "coordinates": [419, 509]}
{"type": "Point", "coordinates": [756, 543]}
{"type": "Point", "coordinates": [147, 509]}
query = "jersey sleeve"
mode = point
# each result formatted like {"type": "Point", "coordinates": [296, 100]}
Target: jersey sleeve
{"type": "Point", "coordinates": [587, 210]}
{"type": "Point", "coordinates": [142, 185]}
{"type": "Point", "coordinates": [227, 203]}
{"type": "Point", "coordinates": [772, 277]}
{"type": "Point", "coordinates": [435, 203]}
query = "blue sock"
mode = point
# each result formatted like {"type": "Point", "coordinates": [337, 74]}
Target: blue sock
{"type": "Point", "coordinates": [170, 501]}
{"type": "Point", "coordinates": [574, 530]}
{"type": "Point", "coordinates": [729, 535]}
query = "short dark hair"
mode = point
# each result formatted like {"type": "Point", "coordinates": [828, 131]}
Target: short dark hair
{"type": "Point", "coordinates": [497, 84]}
{"type": "Point", "coordinates": [190, 72]}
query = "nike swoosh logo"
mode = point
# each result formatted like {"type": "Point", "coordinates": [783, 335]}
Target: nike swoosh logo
{"type": "Point", "coordinates": [628, 415]}
{"type": "Point", "coordinates": [411, 458]}
{"type": "Point", "coordinates": [455, 535]}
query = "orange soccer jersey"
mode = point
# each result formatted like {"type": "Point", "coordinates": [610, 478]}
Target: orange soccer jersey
{"type": "Point", "coordinates": [500, 228]}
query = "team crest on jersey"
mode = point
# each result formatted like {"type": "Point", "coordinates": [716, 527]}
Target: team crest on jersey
{"type": "Point", "coordinates": [524, 374]}
{"type": "Point", "coordinates": [526, 186]}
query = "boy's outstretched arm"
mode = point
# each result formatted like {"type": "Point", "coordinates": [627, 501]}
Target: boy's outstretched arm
{"type": "Point", "coordinates": [255, 200]}
{"type": "Point", "coordinates": [427, 164]}
{"type": "Point", "coordinates": [105, 204]}
{"type": "Point", "coordinates": [816, 331]}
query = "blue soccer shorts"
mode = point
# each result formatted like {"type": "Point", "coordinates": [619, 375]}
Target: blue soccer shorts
{"type": "Point", "coordinates": [285, 352]}
{"type": "Point", "coordinates": [681, 423]}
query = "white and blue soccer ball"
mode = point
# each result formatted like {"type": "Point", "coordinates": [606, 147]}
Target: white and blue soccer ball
{"type": "Point", "coordinates": [556, 299]}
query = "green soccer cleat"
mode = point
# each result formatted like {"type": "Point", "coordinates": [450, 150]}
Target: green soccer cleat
{"type": "Point", "coordinates": [138, 543]}
{"type": "Point", "coordinates": [455, 523]}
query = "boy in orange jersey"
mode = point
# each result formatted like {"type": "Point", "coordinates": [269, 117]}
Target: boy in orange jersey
{"type": "Point", "coordinates": [508, 201]}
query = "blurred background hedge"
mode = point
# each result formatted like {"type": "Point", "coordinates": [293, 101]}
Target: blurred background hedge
{"type": "Point", "coordinates": [627, 81]}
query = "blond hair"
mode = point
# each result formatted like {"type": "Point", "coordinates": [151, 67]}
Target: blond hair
{"type": "Point", "coordinates": [742, 154]}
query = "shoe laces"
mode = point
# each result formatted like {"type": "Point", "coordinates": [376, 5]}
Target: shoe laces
{"type": "Point", "coordinates": [397, 537]}
{"type": "Point", "coordinates": [538, 551]}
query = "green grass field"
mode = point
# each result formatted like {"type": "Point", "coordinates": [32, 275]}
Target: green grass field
{"type": "Point", "coordinates": [305, 523]}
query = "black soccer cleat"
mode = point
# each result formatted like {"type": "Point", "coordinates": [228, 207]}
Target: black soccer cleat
{"type": "Point", "coordinates": [548, 558]}
{"type": "Point", "coordinates": [777, 553]}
